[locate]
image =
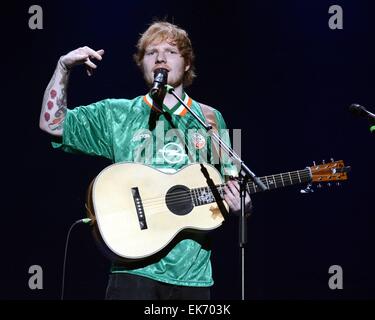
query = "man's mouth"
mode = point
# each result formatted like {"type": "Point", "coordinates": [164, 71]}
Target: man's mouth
{"type": "Point", "coordinates": [161, 67]}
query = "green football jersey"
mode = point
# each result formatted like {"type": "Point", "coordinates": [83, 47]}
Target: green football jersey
{"type": "Point", "coordinates": [131, 130]}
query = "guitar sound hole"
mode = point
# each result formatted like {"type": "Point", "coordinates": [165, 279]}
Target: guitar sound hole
{"type": "Point", "coordinates": [178, 200]}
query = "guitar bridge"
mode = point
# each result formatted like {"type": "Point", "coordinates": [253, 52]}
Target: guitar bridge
{"type": "Point", "coordinates": [139, 208]}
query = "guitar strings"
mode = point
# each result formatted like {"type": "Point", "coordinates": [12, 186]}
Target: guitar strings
{"type": "Point", "coordinates": [181, 199]}
{"type": "Point", "coordinates": [251, 185]}
{"type": "Point", "coordinates": [183, 196]}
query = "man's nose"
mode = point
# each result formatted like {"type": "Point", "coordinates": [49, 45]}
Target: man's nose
{"type": "Point", "coordinates": [161, 58]}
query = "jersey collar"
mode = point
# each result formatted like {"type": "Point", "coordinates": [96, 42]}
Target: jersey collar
{"type": "Point", "coordinates": [177, 109]}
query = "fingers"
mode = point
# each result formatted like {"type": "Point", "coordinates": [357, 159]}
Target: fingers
{"type": "Point", "coordinates": [233, 184]}
{"type": "Point", "coordinates": [89, 71]}
{"type": "Point", "coordinates": [91, 54]}
{"type": "Point", "coordinates": [100, 53]}
{"type": "Point", "coordinates": [232, 197]}
{"type": "Point", "coordinates": [96, 54]}
{"type": "Point", "coordinates": [89, 64]}
{"type": "Point", "coordinates": [84, 55]}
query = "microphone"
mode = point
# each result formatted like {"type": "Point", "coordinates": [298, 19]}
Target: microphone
{"type": "Point", "coordinates": [160, 80]}
{"type": "Point", "coordinates": [361, 111]}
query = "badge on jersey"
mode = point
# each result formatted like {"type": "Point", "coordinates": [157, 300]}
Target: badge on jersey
{"type": "Point", "coordinates": [198, 140]}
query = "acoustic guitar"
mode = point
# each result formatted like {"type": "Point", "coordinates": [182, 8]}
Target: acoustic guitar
{"type": "Point", "coordinates": [137, 210]}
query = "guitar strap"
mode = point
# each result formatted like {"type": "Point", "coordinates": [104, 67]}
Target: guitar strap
{"type": "Point", "coordinates": [210, 118]}
{"type": "Point", "coordinates": [209, 115]}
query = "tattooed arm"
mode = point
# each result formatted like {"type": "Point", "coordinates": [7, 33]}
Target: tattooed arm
{"type": "Point", "coordinates": [54, 104]}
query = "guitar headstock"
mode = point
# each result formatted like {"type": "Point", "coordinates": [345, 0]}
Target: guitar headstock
{"type": "Point", "coordinates": [331, 171]}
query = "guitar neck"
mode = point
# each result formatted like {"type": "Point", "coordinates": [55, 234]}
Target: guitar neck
{"type": "Point", "coordinates": [282, 180]}
{"type": "Point", "coordinates": [205, 195]}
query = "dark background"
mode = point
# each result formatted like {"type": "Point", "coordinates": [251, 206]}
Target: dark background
{"type": "Point", "coordinates": [273, 68]}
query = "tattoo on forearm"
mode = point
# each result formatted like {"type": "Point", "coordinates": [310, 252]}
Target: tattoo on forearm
{"type": "Point", "coordinates": [61, 101]}
{"type": "Point", "coordinates": [58, 122]}
{"type": "Point", "coordinates": [58, 100]}
{"type": "Point", "coordinates": [53, 93]}
{"type": "Point", "coordinates": [60, 112]}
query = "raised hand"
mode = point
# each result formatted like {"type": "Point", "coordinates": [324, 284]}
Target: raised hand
{"type": "Point", "coordinates": [83, 55]}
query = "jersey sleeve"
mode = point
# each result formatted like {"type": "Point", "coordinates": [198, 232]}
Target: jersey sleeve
{"type": "Point", "coordinates": [87, 129]}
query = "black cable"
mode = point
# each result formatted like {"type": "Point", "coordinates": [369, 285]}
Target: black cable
{"type": "Point", "coordinates": [86, 220]}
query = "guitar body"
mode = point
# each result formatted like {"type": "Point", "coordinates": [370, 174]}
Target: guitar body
{"type": "Point", "coordinates": [137, 210]}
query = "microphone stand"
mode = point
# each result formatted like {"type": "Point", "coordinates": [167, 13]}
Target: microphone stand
{"type": "Point", "coordinates": [244, 175]}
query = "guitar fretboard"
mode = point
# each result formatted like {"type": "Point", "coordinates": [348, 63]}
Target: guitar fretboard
{"type": "Point", "coordinates": [206, 195]}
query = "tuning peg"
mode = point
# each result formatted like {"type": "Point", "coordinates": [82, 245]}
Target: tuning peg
{"type": "Point", "coordinates": [308, 189]}
{"type": "Point", "coordinates": [332, 160]}
{"type": "Point", "coordinates": [329, 184]}
{"type": "Point", "coordinates": [319, 185]}
{"type": "Point", "coordinates": [338, 184]}
{"type": "Point", "coordinates": [314, 163]}
{"type": "Point", "coordinates": [323, 161]}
